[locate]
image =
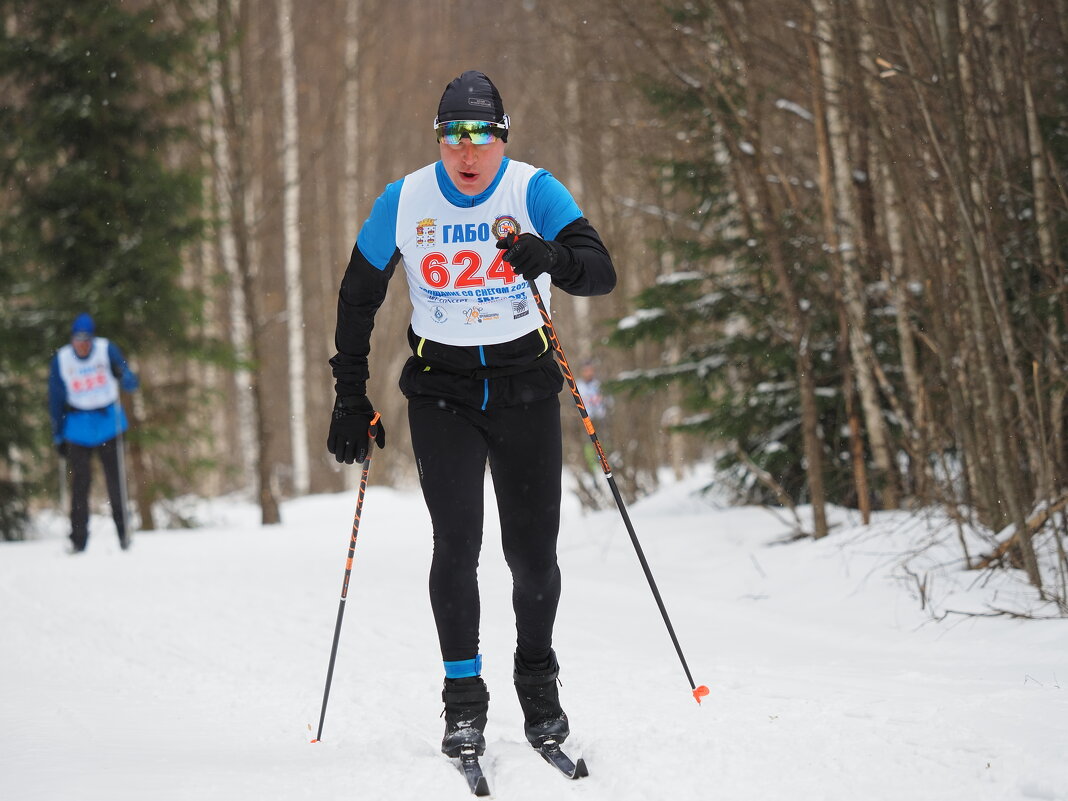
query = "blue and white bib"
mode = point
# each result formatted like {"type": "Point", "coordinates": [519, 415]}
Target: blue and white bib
{"type": "Point", "coordinates": [462, 291]}
{"type": "Point", "coordinates": [89, 381]}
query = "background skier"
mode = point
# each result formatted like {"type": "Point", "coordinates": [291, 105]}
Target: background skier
{"type": "Point", "coordinates": [87, 417]}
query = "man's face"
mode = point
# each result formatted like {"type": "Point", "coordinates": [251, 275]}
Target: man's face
{"type": "Point", "coordinates": [82, 344]}
{"type": "Point", "coordinates": [472, 168]}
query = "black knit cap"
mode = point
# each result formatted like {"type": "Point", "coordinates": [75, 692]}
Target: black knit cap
{"type": "Point", "coordinates": [472, 96]}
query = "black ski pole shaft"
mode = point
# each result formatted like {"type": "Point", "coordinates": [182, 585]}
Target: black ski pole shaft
{"type": "Point", "coordinates": [123, 491]}
{"type": "Point", "coordinates": [372, 431]}
{"type": "Point", "coordinates": [698, 691]}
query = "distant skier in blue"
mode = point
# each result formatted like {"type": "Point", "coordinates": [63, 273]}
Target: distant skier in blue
{"type": "Point", "coordinates": [472, 232]}
{"type": "Point", "coordinates": [83, 400]}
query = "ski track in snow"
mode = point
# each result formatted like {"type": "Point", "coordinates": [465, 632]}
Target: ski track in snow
{"type": "Point", "coordinates": [192, 666]}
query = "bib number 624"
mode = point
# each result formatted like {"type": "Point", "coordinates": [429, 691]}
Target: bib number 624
{"type": "Point", "coordinates": [464, 271]}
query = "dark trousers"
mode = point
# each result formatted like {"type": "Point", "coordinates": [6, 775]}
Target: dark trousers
{"type": "Point", "coordinates": [81, 472]}
{"type": "Point", "coordinates": [452, 444]}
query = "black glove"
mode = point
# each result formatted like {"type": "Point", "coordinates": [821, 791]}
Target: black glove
{"type": "Point", "coordinates": [349, 429]}
{"type": "Point", "coordinates": [529, 256]}
{"type": "Point", "coordinates": [61, 448]}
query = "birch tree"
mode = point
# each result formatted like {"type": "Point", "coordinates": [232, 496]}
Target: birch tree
{"type": "Point", "coordinates": [843, 226]}
{"type": "Point", "coordinates": [236, 244]}
{"type": "Point", "coordinates": [298, 423]}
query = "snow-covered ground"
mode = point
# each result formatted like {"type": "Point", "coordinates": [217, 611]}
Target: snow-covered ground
{"type": "Point", "coordinates": [192, 666]}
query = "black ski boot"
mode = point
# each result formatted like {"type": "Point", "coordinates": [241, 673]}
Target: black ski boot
{"type": "Point", "coordinates": [539, 695]}
{"type": "Point", "coordinates": [466, 706]}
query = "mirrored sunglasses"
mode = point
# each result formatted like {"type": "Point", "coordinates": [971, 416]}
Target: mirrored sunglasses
{"type": "Point", "coordinates": [478, 131]}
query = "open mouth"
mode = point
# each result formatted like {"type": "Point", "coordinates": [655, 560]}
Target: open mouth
{"type": "Point", "coordinates": [468, 176]}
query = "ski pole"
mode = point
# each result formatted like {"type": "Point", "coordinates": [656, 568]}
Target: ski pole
{"type": "Point", "coordinates": [698, 691]}
{"type": "Point", "coordinates": [371, 433]}
{"type": "Point", "coordinates": [121, 456]}
{"type": "Point", "coordinates": [64, 497]}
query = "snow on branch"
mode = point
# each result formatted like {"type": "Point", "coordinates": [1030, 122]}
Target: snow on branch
{"type": "Point", "coordinates": [639, 317]}
{"type": "Point", "coordinates": [702, 367]}
{"type": "Point", "coordinates": [788, 105]}
{"type": "Point", "coordinates": [679, 277]}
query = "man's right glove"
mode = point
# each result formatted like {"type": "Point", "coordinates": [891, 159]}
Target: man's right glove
{"type": "Point", "coordinates": [350, 423]}
{"type": "Point", "coordinates": [61, 448]}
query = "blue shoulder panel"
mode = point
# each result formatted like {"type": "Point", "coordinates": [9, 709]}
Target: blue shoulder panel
{"type": "Point", "coordinates": [116, 358]}
{"type": "Point", "coordinates": [128, 379]}
{"type": "Point", "coordinates": [378, 236]}
{"type": "Point", "coordinates": [550, 205]}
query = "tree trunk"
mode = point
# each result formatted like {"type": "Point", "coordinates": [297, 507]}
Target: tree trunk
{"type": "Point", "coordinates": [894, 225]}
{"type": "Point", "coordinates": [298, 416]}
{"type": "Point", "coordinates": [806, 386]}
{"type": "Point", "coordinates": [238, 201]}
{"type": "Point", "coordinates": [910, 368]}
{"type": "Point", "coordinates": [845, 225]}
{"type": "Point", "coordinates": [830, 234]}
{"type": "Point", "coordinates": [236, 320]}
{"type": "Point", "coordinates": [960, 172]}
{"type": "Point", "coordinates": [1053, 264]}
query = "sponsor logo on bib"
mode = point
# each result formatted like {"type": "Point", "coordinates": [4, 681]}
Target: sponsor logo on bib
{"type": "Point", "coordinates": [520, 307]}
{"type": "Point", "coordinates": [504, 225]}
{"type": "Point", "coordinates": [473, 315]}
{"type": "Point", "coordinates": [426, 232]}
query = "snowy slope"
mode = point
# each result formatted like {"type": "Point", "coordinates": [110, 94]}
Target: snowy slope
{"type": "Point", "coordinates": [192, 666]}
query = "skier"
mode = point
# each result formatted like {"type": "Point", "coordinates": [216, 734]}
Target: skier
{"type": "Point", "coordinates": [473, 231]}
{"type": "Point", "coordinates": [83, 400]}
{"type": "Point", "coordinates": [596, 403]}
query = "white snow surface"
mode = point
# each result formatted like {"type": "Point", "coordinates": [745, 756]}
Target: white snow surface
{"type": "Point", "coordinates": [192, 666]}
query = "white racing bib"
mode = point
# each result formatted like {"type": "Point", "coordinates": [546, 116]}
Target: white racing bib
{"type": "Point", "coordinates": [89, 382]}
{"type": "Point", "coordinates": [462, 291]}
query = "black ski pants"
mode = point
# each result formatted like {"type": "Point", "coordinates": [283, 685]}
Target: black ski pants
{"type": "Point", "coordinates": [79, 463]}
{"type": "Point", "coordinates": [453, 444]}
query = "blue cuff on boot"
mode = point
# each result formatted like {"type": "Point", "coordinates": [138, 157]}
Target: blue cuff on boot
{"type": "Point", "coordinates": [464, 668]}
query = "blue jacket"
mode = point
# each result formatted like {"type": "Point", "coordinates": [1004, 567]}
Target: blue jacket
{"type": "Point", "coordinates": [88, 427]}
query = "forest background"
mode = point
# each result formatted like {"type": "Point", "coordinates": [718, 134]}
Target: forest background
{"type": "Point", "coordinates": [839, 228]}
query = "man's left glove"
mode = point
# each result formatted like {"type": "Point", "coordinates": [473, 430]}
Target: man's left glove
{"type": "Point", "coordinates": [129, 381]}
{"type": "Point", "coordinates": [529, 256]}
{"type": "Point", "coordinates": [350, 423]}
